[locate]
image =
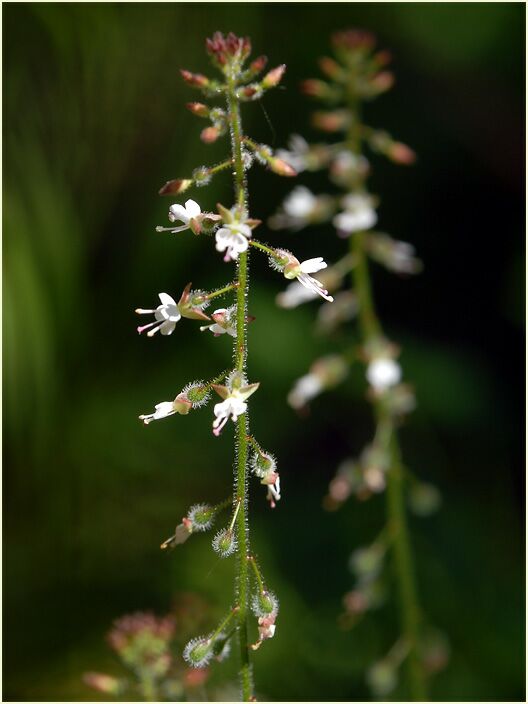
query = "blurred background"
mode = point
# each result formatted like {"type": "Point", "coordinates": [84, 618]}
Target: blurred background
{"type": "Point", "coordinates": [94, 123]}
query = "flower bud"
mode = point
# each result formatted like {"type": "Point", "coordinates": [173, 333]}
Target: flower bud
{"type": "Point", "coordinates": [273, 77]}
{"type": "Point", "coordinates": [382, 82]}
{"type": "Point", "coordinates": [102, 683]}
{"type": "Point", "coordinates": [197, 80]}
{"type": "Point", "coordinates": [198, 109]}
{"type": "Point", "coordinates": [177, 185]}
{"type": "Point", "coordinates": [314, 88]}
{"type": "Point", "coordinates": [330, 67]}
{"type": "Point", "coordinates": [281, 168]}
{"type": "Point", "coordinates": [335, 121]}
{"type": "Point", "coordinates": [258, 65]}
{"type": "Point", "coordinates": [401, 154]}
{"type": "Point", "coordinates": [198, 652]}
{"type": "Point", "coordinates": [209, 134]}
{"type": "Point", "coordinates": [224, 542]}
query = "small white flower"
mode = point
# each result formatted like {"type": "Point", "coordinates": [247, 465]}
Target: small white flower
{"type": "Point", "coordinates": [302, 270]}
{"type": "Point", "coordinates": [299, 203]}
{"type": "Point", "coordinates": [166, 316]}
{"type": "Point", "coordinates": [163, 410]}
{"type": "Point", "coordinates": [358, 214]}
{"type": "Point", "coordinates": [224, 322]}
{"type": "Point", "coordinates": [232, 407]}
{"type": "Point", "coordinates": [383, 372]}
{"type": "Point", "coordinates": [297, 154]}
{"type": "Point", "coordinates": [183, 213]}
{"type": "Point", "coordinates": [233, 239]}
{"type": "Point", "coordinates": [305, 388]}
{"type": "Point", "coordinates": [272, 481]}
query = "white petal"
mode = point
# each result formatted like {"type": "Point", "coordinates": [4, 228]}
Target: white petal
{"type": "Point", "coordinates": [310, 266]}
{"type": "Point", "coordinates": [166, 299]}
{"type": "Point", "coordinates": [192, 208]}
{"type": "Point", "coordinates": [178, 212]}
{"type": "Point", "coordinates": [167, 327]}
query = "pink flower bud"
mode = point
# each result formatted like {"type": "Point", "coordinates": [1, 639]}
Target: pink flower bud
{"type": "Point", "coordinates": [258, 64]}
{"type": "Point", "coordinates": [280, 167]}
{"type": "Point", "coordinates": [329, 67]}
{"type": "Point", "coordinates": [314, 88]}
{"type": "Point", "coordinates": [197, 80]}
{"type": "Point", "coordinates": [198, 109]}
{"type": "Point", "coordinates": [274, 77]}
{"type": "Point", "coordinates": [177, 185]}
{"type": "Point", "coordinates": [383, 81]}
{"type": "Point", "coordinates": [210, 134]}
{"type": "Point", "coordinates": [401, 154]}
{"type": "Point", "coordinates": [101, 682]}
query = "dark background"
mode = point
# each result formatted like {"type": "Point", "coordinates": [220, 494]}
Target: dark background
{"type": "Point", "coordinates": [94, 123]}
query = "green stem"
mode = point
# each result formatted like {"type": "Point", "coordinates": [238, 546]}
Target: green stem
{"type": "Point", "coordinates": [370, 329]}
{"type": "Point", "coordinates": [242, 425]}
{"type": "Point", "coordinates": [410, 611]}
{"type": "Point", "coordinates": [212, 170]}
{"type": "Point", "coordinates": [262, 247]}
{"type": "Point", "coordinates": [256, 570]}
{"type": "Point", "coordinates": [221, 291]}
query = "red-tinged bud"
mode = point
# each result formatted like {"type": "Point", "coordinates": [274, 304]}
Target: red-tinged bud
{"type": "Point", "coordinates": [314, 88]}
{"type": "Point", "coordinates": [198, 109]}
{"type": "Point", "coordinates": [401, 154]}
{"type": "Point", "coordinates": [280, 167]}
{"type": "Point", "coordinates": [197, 80]}
{"type": "Point", "coordinates": [209, 135]}
{"type": "Point", "coordinates": [250, 91]}
{"type": "Point", "coordinates": [102, 683]}
{"type": "Point", "coordinates": [176, 186]}
{"type": "Point", "coordinates": [383, 81]}
{"type": "Point", "coordinates": [274, 77]}
{"type": "Point", "coordinates": [258, 65]}
{"type": "Point", "coordinates": [329, 67]}
{"type": "Point", "coordinates": [353, 39]}
{"type": "Point", "coordinates": [330, 121]}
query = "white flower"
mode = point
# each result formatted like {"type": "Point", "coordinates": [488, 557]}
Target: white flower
{"type": "Point", "coordinates": [383, 372]}
{"type": "Point", "coordinates": [302, 270]}
{"type": "Point", "coordinates": [305, 388]}
{"type": "Point", "coordinates": [299, 203]}
{"type": "Point", "coordinates": [232, 407]}
{"type": "Point", "coordinates": [233, 239]}
{"type": "Point", "coordinates": [163, 410]}
{"type": "Point", "coordinates": [183, 213]}
{"type": "Point", "coordinates": [358, 214]}
{"type": "Point", "coordinates": [297, 155]}
{"type": "Point", "coordinates": [272, 480]}
{"type": "Point", "coordinates": [224, 322]}
{"type": "Point", "coordinates": [166, 316]}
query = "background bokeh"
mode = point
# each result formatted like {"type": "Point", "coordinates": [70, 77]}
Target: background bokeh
{"type": "Point", "coordinates": [94, 123]}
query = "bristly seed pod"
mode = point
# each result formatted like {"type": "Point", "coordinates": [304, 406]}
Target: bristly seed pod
{"type": "Point", "coordinates": [202, 517]}
{"type": "Point", "coordinates": [224, 542]}
{"type": "Point", "coordinates": [198, 652]}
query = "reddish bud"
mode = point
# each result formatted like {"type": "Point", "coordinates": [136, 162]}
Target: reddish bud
{"type": "Point", "coordinates": [258, 65]}
{"type": "Point", "coordinates": [198, 109]}
{"type": "Point", "coordinates": [197, 80]}
{"type": "Point", "coordinates": [401, 154]}
{"type": "Point", "coordinates": [101, 682]}
{"type": "Point", "coordinates": [209, 135]}
{"type": "Point", "coordinates": [353, 39]}
{"type": "Point", "coordinates": [274, 77]}
{"type": "Point", "coordinates": [329, 67]}
{"type": "Point", "coordinates": [383, 81]}
{"type": "Point", "coordinates": [313, 88]}
{"type": "Point", "coordinates": [280, 167]}
{"type": "Point", "coordinates": [330, 121]}
{"type": "Point", "coordinates": [250, 91]}
{"type": "Point", "coordinates": [176, 186]}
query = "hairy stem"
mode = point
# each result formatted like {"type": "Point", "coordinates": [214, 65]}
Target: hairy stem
{"type": "Point", "coordinates": [370, 328]}
{"type": "Point", "coordinates": [242, 424]}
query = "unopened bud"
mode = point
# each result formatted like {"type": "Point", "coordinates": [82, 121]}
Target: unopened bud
{"type": "Point", "coordinates": [331, 121]}
{"type": "Point", "coordinates": [281, 168]}
{"type": "Point", "coordinates": [401, 154]}
{"type": "Point", "coordinates": [273, 77]}
{"type": "Point", "coordinates": [210, 134]}
{"type": "Point", "coordinates": [176, 186]}
{"type": "Point", "coordinates": [198, 109]}
{"type": "Point", "coordinates": [258, 65]}
{"type": "Point", "coordinates": [197, 80]}
{"type": "Point", "coordinates": [314, 88]}
{"type": "Point", "coordinates": [329, 67]}
{"type": "Point", "coordinates": [102, 683]}
{"type": "Point", "coordinates": [383, 81]}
